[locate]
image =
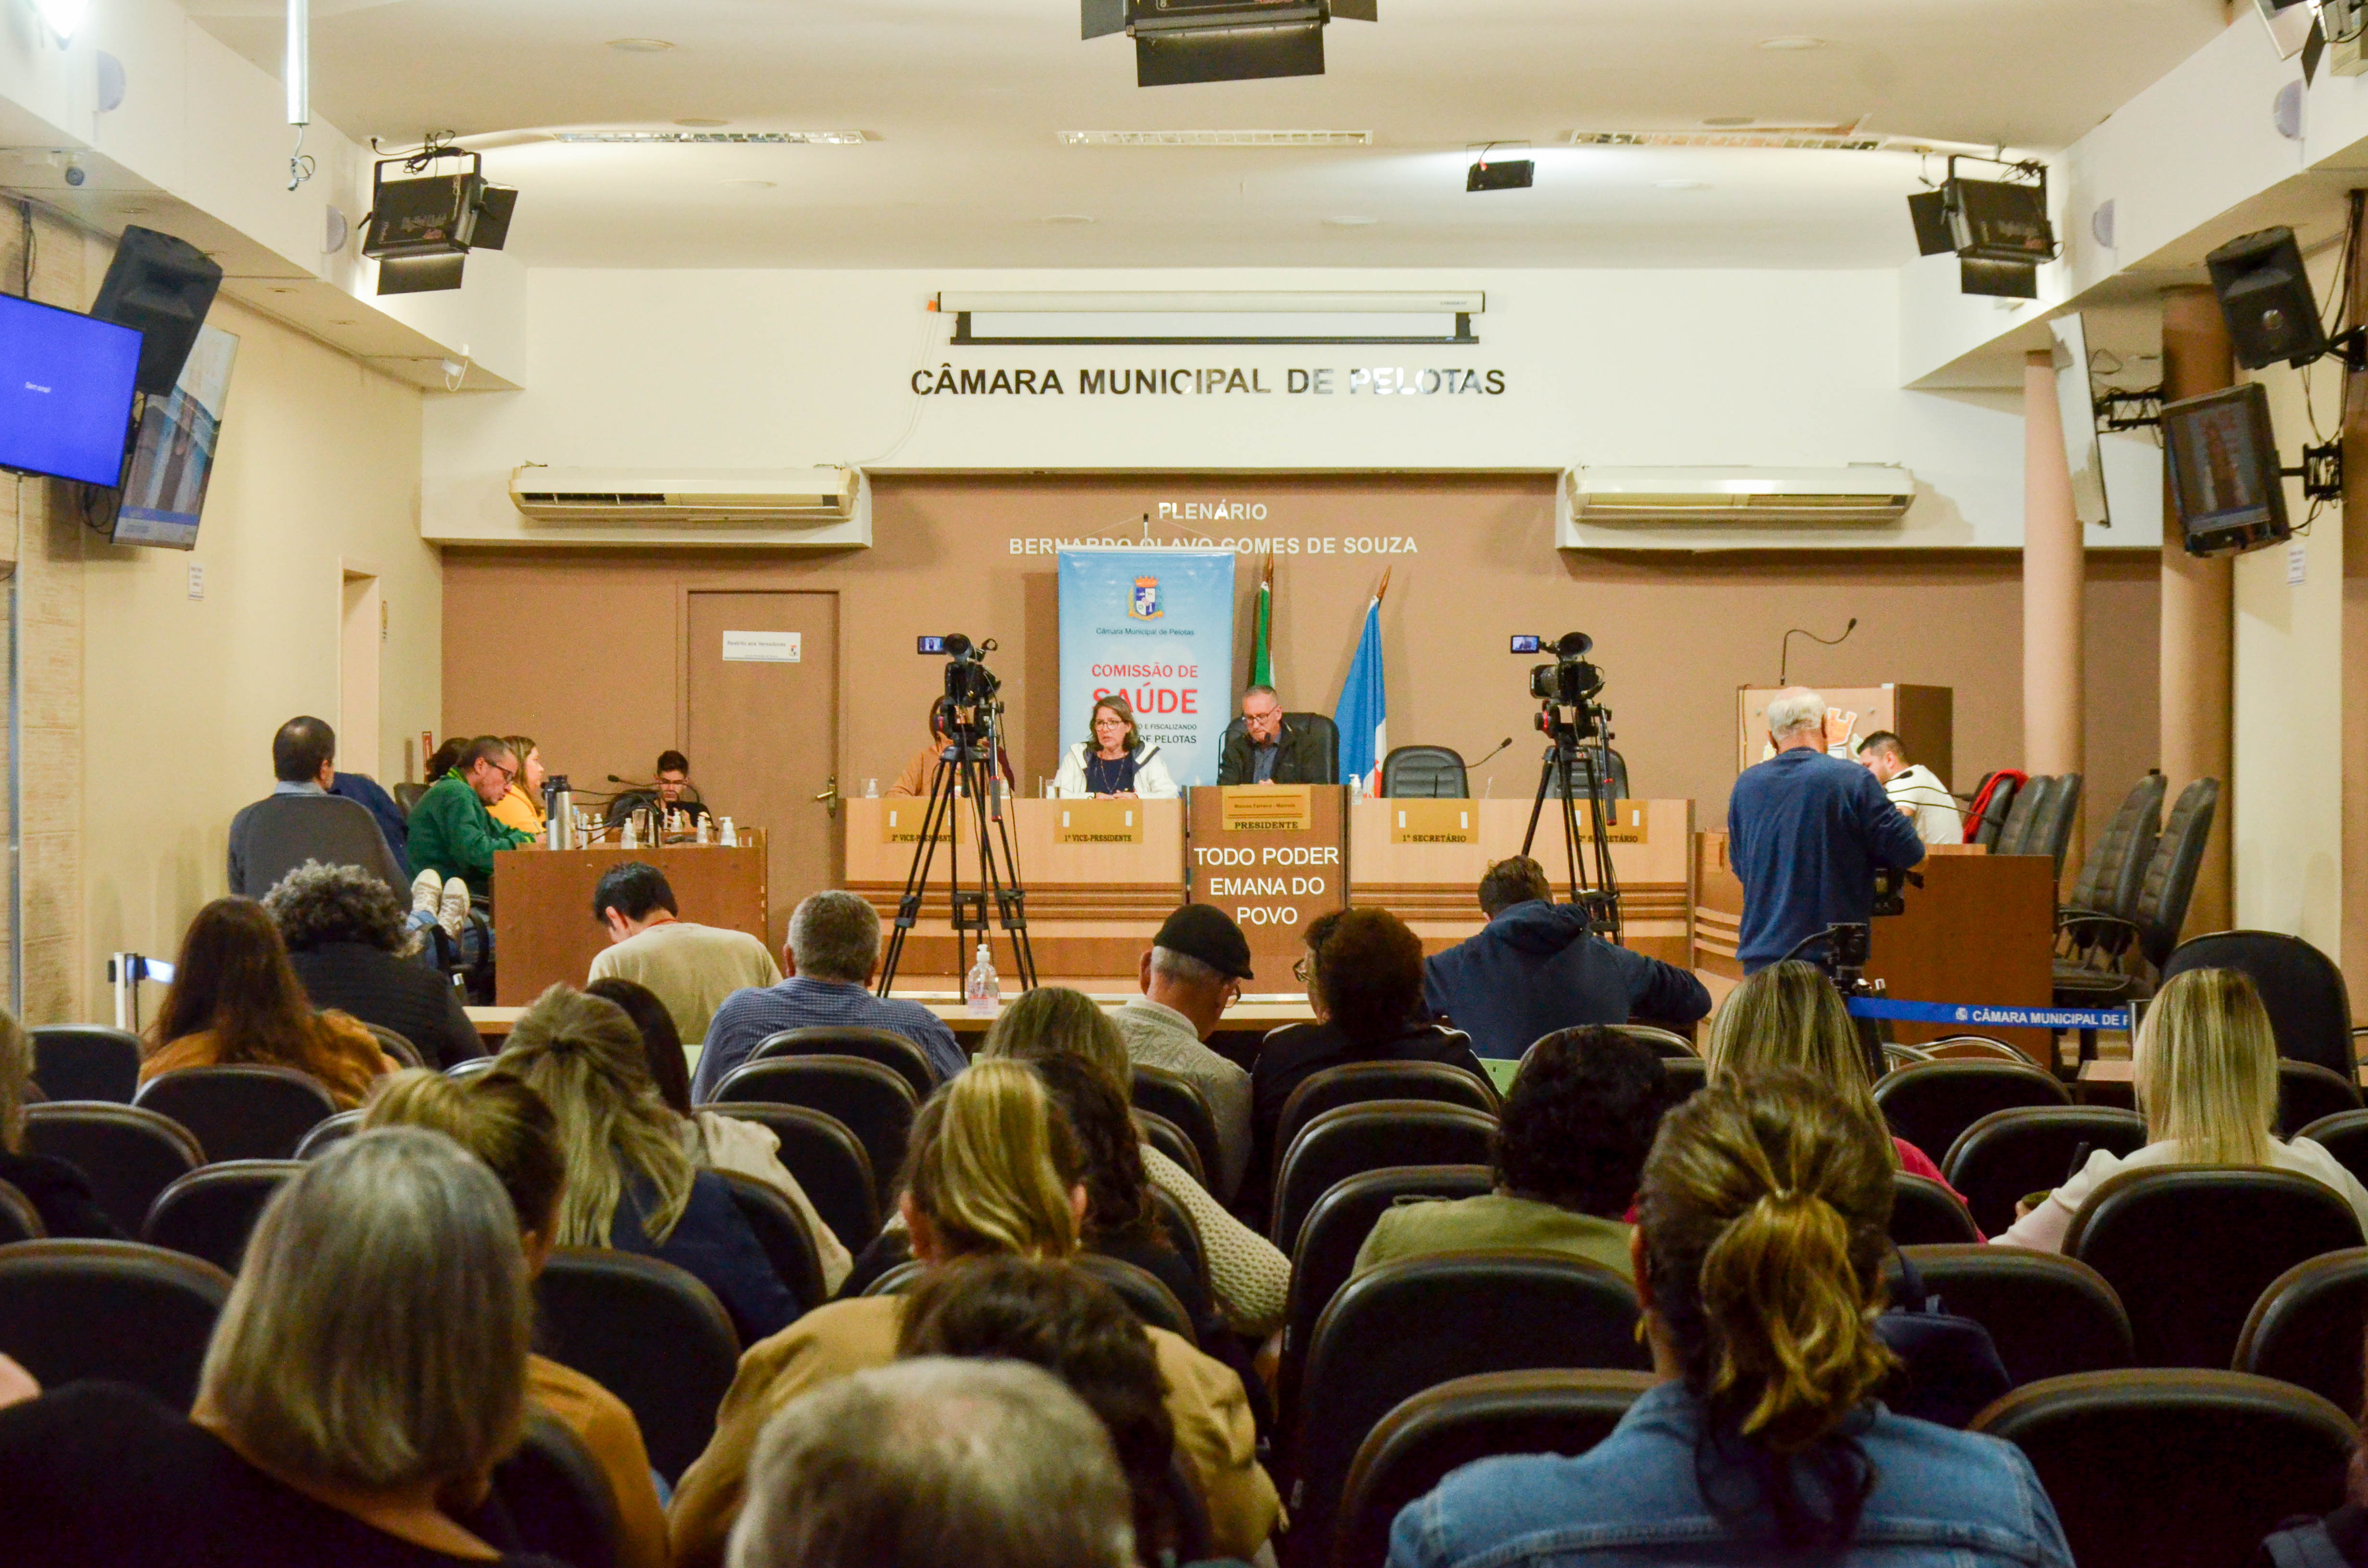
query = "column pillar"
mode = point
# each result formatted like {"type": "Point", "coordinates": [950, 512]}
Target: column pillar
{"type": "Point", "coordinates": [2055, 672]}
{"type": "Point", "coordinates": [2198, 613]}
{"type": "Point", "coordinates": [2353, 521]}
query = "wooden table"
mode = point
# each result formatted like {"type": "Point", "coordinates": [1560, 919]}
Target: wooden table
{"type": "Point", "coordinates": [543, 930]}
{"type": "Point", "coordinates": [1259, 1016]}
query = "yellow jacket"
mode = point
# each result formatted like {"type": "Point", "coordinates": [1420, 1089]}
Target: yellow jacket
{"type": "Point", "coordinates": [519, 810]}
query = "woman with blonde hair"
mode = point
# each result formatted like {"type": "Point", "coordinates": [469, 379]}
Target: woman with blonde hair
{"type": "Point", "coordinates": [521, 804]}
{"type": "Point", "coordinates": [1118, 762]}
{"type": "Point", "coordinates": [2207, 1081]}
{"type": "Point", "coordinates": [1759, 1265]}
{"type": "Point", "coordinates": [630, 1183]}
{"type": "Point", "coordinates": [991, 1169]}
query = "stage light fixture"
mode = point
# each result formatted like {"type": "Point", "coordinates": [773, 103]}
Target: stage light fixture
{"type": "Point", "coordinates": [421, 229]}
{"type": "Point", "coordinates": [1500, 173]}
{"type": "Point", "coordinates": [1221, 40]}
{"type": "Point", "coordinates": [1999, 230]}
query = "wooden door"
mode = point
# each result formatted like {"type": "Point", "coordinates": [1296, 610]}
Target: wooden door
{"type": "Point", "coordinates": [762, 729]}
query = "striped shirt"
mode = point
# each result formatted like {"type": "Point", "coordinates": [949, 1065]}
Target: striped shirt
{"type": "Point", "coordinates": [748, 1018]}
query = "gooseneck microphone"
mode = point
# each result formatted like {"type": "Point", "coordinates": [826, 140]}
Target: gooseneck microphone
{"type": "Point", "coordinates": [1500, 745]}
{"type": "Point", "coordinates": [1784, 663]}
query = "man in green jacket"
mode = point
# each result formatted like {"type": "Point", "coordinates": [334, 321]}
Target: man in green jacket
{"type": "Point", "coordinates": [452, 831]}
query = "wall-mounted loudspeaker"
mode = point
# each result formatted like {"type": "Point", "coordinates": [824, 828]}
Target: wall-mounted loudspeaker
{"type": "Point", "coordinates": [2266, 298]}
{"type": "Point", "coordinates": [163, 287]}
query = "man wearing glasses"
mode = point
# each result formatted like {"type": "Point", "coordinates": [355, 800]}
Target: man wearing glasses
{"type": "Point", "coordinates": [452, 834]}
{"type": "Point", "coordinates": [1192, 973]}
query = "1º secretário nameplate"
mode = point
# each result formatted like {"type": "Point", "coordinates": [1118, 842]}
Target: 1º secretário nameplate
{"type": "Point", "coordinates": [1098, 822]}
{"type": "Point", "coordinates": [1434, 822]}
{"type": "Point", "coordinates": [1268, 808]}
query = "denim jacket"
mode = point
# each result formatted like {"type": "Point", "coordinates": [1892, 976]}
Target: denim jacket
{"type": "Point", "coordinates": [1942, 1499]}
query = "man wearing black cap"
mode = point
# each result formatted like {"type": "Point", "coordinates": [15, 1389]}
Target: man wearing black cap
{"type": "Point", "coordinates": [1192, 975]}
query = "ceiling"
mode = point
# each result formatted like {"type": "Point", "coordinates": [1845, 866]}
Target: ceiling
{"type": "Point", "coordinates": [964, 99]}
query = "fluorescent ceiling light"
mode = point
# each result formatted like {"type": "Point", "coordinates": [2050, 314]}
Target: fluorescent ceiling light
{"type": "Point", "coordinates": [1217, 139]}
{"type": "Point", "coordinates": [1820, 141]}
{"type": "Point", "coordinates": [64, 17]}
{"type": "Point", "coordinates": [1223, 302]}
{"type": "Point", "coordinates": [717, 138]}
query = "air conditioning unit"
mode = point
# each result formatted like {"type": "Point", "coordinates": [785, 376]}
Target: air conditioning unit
{"type": "Point", "coordinates": [756, 498]}
{"type": "Point", "coordinates": [1859, 495]}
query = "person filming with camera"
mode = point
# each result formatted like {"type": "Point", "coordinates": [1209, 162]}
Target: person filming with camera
{"type": "Point", "coordinates": [1806, 833]}
{"type": "Point", "coordinates": [1116, 762]}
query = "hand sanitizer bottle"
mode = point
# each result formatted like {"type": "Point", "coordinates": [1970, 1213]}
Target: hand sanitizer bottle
{"type": "Point", "coordinates": [982, 990]}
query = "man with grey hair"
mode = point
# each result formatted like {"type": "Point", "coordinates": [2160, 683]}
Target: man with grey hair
{"type": "Point", "coordinates": [1192, 975]}
{"type": "Point", "coordinates": [1268, 749]}
{"type": "Point", "coordinates": [936, 1463]}
{"type": "Point", "coordinates": [834, 943]}
{"type": "Point", "coordinates": [1804, 834]}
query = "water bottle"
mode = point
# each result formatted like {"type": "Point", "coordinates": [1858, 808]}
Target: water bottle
{"type": "Point", "coordinates": [731, 835]}
{"type": "Point", "coordinates": [982, 990]}
{"type": "Point", "coordinates": [558, 812]}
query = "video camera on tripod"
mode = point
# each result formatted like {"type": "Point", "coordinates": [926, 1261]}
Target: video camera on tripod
{"type": "Point", "coordinates": [1577, 756]}
{"type": "Point", "coordinates": [1848, 947]}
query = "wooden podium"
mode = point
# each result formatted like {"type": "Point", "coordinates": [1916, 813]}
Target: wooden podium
{"type": "Point", "coordinates": [1921, 716]}
{"type": "Point", "coordinates": [1274, 856]}
{"type": "Point", "coordinates": [544, 932]}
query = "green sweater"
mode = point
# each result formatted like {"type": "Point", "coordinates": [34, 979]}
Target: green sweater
{"type": "Point", "coordinates": [1493, 1223]}
{"type": "Point", "coordinates": [452, 834]}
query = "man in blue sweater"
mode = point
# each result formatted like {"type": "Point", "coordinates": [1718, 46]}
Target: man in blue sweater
{"type": "Point", "coordinates": [1806, 832]}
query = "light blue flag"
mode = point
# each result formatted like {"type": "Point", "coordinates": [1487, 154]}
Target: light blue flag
{"type": "Point", "coordinates": [1363, 714]}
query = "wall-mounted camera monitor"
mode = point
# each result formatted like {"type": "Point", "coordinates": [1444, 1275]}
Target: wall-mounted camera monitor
{"type": "Point", "coordinates": [2226, 489]}
{"type": "Point", "coordinates": [165, 488]}
{"type": "Point", "coordinates": [66, 382]}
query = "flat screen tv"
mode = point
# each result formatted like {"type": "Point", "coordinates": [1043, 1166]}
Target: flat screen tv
{"type": "Point", "coordinates": [2225, 490]}
{"type": "Point", "coordinates": [165, 488]}
{"type": "Point", "coordinates": [66, 392]}
{"type": "Point", "coordinates": [2076, 403]}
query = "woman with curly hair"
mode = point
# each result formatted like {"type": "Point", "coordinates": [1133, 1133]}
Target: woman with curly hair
{"type": "Point", "coordinates": [349, 943]}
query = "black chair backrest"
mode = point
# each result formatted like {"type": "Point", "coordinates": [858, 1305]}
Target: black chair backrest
{"type": "Point", "coordinates": [2048, 1314]}
{"type": "Point", "coordinates": [1145, 1296]}
{"type": "Point", "coordinates": [1923, 1214]}
{"type": "Point", "coordinates": [1354, 1082]}
{"type": "Point", "coordinates": [2009, 1155]}
{"type": "Point", "coordinates": [2170, 881]}
{"type": "Point", "coordinates": [1930, 1103]}
{"type": "Point", "coordinates": [407, 796]}
{"type": "Point", "coordinates": [1686, 1074]}
{"type": "Point", "coordinates": [397, 1044]}
{"type": "Point", "coordinates": [1425, 773]}
{"type": "Point", "coordinates": [2110, 878]}
{"type": "Point", "coordinates": [328, 1132]}
{"type": "Point", "coordinates": [1181, 1101]}
{"type": "Point", "coordinates": [2307, 1327]}
{"type": "Point", "coordinates": [209, 1213]}
{"type": "Point", "coordinates": [2151, 1468]}
{"type": "Point", "coordinates": [782, 1231]}
{"type": "Point", "coordinates": [1177, 1227]}
{"type": "Point", "coordinates": [886, 1047]}
{"type": "Point", "coordinates": [1164, 1135]}
{"type": "Point", "coordinates": [85, 1062]}
{"type": "Point", "coordinates": [1582, 774]}
{"type": "Point", "coordinates": [246, 1111]}
{"type": "Point", "coordinates": [122, 1310]}
{"type": "Point", "coordinates": [1987, 831]}
{"type": "Point", "coordinates": [2309, 1093]}
{"type": "Point", "coordinates": [832, 1168]}
{"type": "Point", "coordinates": [2190, 1248]}
{"type": "Point", "coordinates": [876, 1105]}
{"type": "Point", "coordinates": [1350, 1139]}
{"type": "Point", "coordinates": [556, 1499]}
{"type": "Point", "coordinates": [2023, 817]}
{"type": "Point", "coordinates": [20, 1221]}
{"type": "Point", "coordinates": [1419, 1322]}
{"type": "Point", "coordinates": [2310, 1011]}
{"type": "Point", "coordinates": [1478, 1417]}
{"type": "Point", "coordinates": [1667, 1044]}
{"type": "Point", "coordinates": [2051, 833]}
{"type": "Point", "coordinates": [127, 1154]}
{"type": "Point", "coordinates": [2345, 1136]}
{"type": "Point", "coordinates": [470, 1068]}
{"type": "Point", "coordinates": [647, 1331]}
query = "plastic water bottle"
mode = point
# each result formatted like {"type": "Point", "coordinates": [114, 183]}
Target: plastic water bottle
{"type": "Point", "coordinates": [982, 991]}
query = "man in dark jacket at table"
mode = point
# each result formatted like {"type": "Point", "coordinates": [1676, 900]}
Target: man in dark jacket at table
{"type": "Point", "coordinates": [1535, 968]}
{"type": "Point", "coordinates": [1266, 750]}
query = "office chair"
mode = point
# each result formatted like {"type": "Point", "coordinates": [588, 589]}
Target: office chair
{"type": "Point", "coordinates": [1424, 773]}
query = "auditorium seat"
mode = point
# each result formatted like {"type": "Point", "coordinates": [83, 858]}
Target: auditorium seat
{"type": "Point", "coordinates": [1979, 1047]}
{"type": "Point", "coordinates": [647, 1331]}
{"type": "Point", "coordinates": [463, 1071]}
{"type": "Point", "coordinates": [2307, 1329]}
{"type": "Point", "coordinates": [1667, 1044]}
{"type": "Point", "coordinates": [2024, 816]}
{"type": "Point", "coordinates": [1145, 1296]}
{"type": "Point", "coordinates": [1686, 1074]}
{"type": "Point", "coordinates": [1986, 829]}
{"type": "Point", "coordinates": [20, 1221]}
{"type": "Point", "coordinates": [1924, 1213]}
{"type": "Point", "coordinates": [2009, 1155]}
{"type": "Point", "coordinates": [828, 1161]}
{"type": "Point", "coordinates": [1424, 773]}
{"type": "Point", "coordinates": [2154, 1469]}
{"type": "Point", "coordinates": [2049, 1316]}
{"type": "Point", "coordinates": [1180, 1232]}
{"type": "Point", "coordinates": [2051, 830]}
{"type": "Point", "coordinates": [2190, 1248]}
{"type": "Point", "coordinates": [2308, 1093]}
{"type": "Point", "coordinates": [2310, 1011]}
{"type": "Point", "coordinates": [1350, 1139]}
{"type": "Point", "coordinates": [209, 1213]}
{"type": "Point", "coordinates": [875, 1104]}
{"type": "Point", "coordinates": [1164, 1135]}
{"type": "Point", "coordinates": [1930, 1103]}
{"type": "Point", "coordinates": [397, 1044]}
{"type": "Point", "coordinates": [2114, 872]}
{"type": "Point", "coordinates": [1416, 1322]}
{"type": "Point", "coordinates": [782, 1231]}
{"type": "Point", "coordinates": [2345, 1136]}
{"type": "Point", "coordinates": [886, 1047]}
{"type": "Point", "coordinates": [246, 1111]}
{"type": "Point", "coordinates": [121, 1311]}
{"type": "Point", "coordinates": [129, 1154]}
{"type": "Point", "coordinates": [85, 1062]}
{"type": "Point", "coordinates": [328, 1132]}
{"type": "Point", "coordinates": [1481, 1416]}
{"type": "Point", "coordinates": [1181, 1101]}
{"type": "Point", "coordinates": [554, 1497]}
{"type": "Point", "coordinates": [1354, 1082]}
{"type": "Point", "coordinates": [2101, 974]}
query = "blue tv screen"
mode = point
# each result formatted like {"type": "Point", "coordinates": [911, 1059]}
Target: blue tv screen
{"type": "Point", "coordinates": [66, 392]}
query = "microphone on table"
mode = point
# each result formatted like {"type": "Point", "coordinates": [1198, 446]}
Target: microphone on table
{"type": "Point", "coordinates": [1784, 664]}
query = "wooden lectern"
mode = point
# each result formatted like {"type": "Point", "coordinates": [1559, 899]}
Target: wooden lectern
{"type": "Point", "coordinates": [1274, 856]}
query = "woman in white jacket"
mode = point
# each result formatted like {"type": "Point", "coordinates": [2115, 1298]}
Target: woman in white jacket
{"type": "Point", "coordinates": [1116, 761]}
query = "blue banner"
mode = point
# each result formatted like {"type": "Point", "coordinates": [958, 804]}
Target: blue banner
{"type": "Point", "coordinates": [1157, 625]}
{"type": "Point", "coordinates": [1975, 1016]}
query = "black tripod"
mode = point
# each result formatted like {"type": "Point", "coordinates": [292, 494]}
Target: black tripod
{"type": "Point", "coordinates": [967, 769]}
{"type": "Point", "coordinates": [1848, 947]}
{"type": "Point", "coordinates": [1586, 735]}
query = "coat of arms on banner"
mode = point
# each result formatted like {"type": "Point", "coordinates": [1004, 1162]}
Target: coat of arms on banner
{"type": "Point", "coordinates": [1144, 606]}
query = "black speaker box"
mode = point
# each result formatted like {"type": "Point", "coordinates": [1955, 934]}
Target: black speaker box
{"type": "Point", "coordinates": [163, 287]}
{"type": "Point", "coordinates": [2266, 298]}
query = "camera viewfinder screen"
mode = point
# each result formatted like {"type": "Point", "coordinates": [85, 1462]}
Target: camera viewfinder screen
{"type": "Point", "coordinates": [1526, 644]}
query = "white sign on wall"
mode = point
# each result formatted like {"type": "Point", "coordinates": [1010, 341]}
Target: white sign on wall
{"type": "Point", "coordinates": [763, 647]}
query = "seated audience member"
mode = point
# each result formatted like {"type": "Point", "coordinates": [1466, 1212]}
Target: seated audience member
{"type": "Point", "coordinates": [1249, 1277]}
{"type": "Point", "coordinates": [834, 943]}
{"type": "Point", "coordinates": [367, 1370]}
{"type": "Point", "coordinates": [349, 945]}
{"type": "Point", "coordinates": [233, 998]}
{"type": "Point", "coordinates": [713, 1140]}
{"type": "Point", "coordinates": [1117, 763]}
{"type": "Point", "coordinates": [1569, 1147]}
{"type": "Point", "coordinates": [1075, 1326]}
{"type": "Point", "coordinates": [1192, 973]}
{"type": "Point", "coordinates": [936, 1463]}
{"type": "Point", "coordinates": [2339, 1540]}
{"type": "Point", "coordinates": [520, 805]}
{"type": "Point", "coordinates": [368, 793]}
{"type": "Point", "coordinates": [630, 1185]}
{"type": "Point", "coordinates": [497, 1118]}
{"type": "Point", "coordinates": [1915, 789]}
{"type": "Point", "coordinates": [990, 1169]}
{"type": "Point", "coordinates": [59, 1192]}
{"type": "Point", "coordinates": [301, 821]}
{"type": "Point", "coordinates": [2207, 1080]}
{"type": "Point", "coordinates": [1759, 1260]}
{"type": "Point", "coordinates": [444, 758]}
{"type": "Point", "coordinates": [1270, 749]}
{"type": "Point", "coordinates": [1536, 967]}
{"type": "Point", "coordinates": [691, 967]}
{"type": "Point", "coordinates": [1364, 981]}
{"type": "Point", "coordinates": [1789, 1015]}
{"type": "Point", "coordinates": [452, 834]}
{"type": "Point", "coordinates": [922, 767]}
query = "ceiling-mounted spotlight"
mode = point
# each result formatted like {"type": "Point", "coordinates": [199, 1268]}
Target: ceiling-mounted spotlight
{"type": "Point", "coordinates": [64, 17]}
{"type": "Point", "coordinates": [1221, 40]}
{"type": "Point", "coordinates": [1500, 173]}
{"type": "Point", "coordinates": [421, 230]}
{"type": "Point", "coordinates": [1998, 229]}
